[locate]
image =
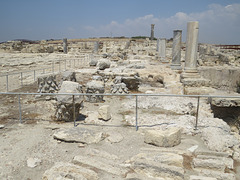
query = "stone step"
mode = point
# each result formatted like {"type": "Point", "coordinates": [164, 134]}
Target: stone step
{"type": "Point", "coordinates": [227, 161]}
{"type": "Point", "coordinates": [213, 164]}
{"type": "Point", "coordinates": [158, 170]}
{"type": "Point", "coordinates": [212, 153]}
{"type": "Point", "coordinates": [215, 174]}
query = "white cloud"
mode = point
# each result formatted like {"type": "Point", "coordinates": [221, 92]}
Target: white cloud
{"type": "Point", "coordinates": [218, 24]}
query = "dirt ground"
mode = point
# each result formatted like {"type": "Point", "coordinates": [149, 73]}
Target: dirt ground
{"type": "Point", "coordinates": [34, 139]}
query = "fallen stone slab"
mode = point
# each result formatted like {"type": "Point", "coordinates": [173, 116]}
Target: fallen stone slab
{"type": "Point", "coordinates": [62, 170]}
{"type": "Point", "coordinates": [167, 158]}
{"type": "Point", "coordinates": [163, 138]}
{"type": "Point", "coordinates": [104, 164]}
{"type": "Point", "coordinates": [1, 126]}
{"type": "Point", "coordinates": [79, 135]}
{"type": "Point", "coordinates": [158, 170]}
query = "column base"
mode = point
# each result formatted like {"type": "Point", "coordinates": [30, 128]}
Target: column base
{"type": "Point", "coordinates": [190, 73]}
{"type": "Point", "coordinates": [191, 78]}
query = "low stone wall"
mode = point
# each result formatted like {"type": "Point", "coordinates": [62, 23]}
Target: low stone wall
{"type": "Point", "coordinates": [222, 78]}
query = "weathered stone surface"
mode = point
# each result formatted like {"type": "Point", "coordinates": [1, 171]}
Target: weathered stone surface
{"type": "Point", "coordinates": [68, 76]}
{"type": "Point", "coordinates": [47, 84]}
{"type": "Point", "coordinates": [132, 83]}
{"type": "Point", "coordinates": [104, 113]}
{"type": "Point", "coordinates": [216, 174]}
{"type": "Point", "coordinates": [93, 62]}
{"type": "Point", "coordinates": [66, 171]}
{"type": "Point", "coordinates": [227, 162]}
{"type": "Point", "coordinates": [80, 135]}
{"type": "Point", "coordinates": [193, 177]}
{"type": "Point", "coordinates": [218, 139]}
{"type": "Point", "coordinates": [166, 158]}
{"type": "Point", "coordinates": [95, 87]}
{"type": "Point", "coordinates": [64, 105]}
{"type": "Point", "coordinates": [103, 64]}
{"type": "Point", "coordinates": [119, 88]}
{"type": "Point", "coordinates": [97, 78]}
{"type": "Point", "coordinates": [213, 164]}
{"type": "Point", "coordinates": [158, 170]}
{"type": "Point", "coordinates": [103, 164]}
{"type": "Point", "coordinates": [33, 162]}
{"type": "Point", "coordinates": [69, 87]}
{"type": "Point", "coordinates": [163, 138]}
{"type": "Point", "coordinates": [114, 137]}
{"type": "Point", "coordinates": [226, 102]}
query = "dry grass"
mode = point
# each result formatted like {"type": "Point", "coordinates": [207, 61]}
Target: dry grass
{"type": "Point", "coordinates": [187, 162]}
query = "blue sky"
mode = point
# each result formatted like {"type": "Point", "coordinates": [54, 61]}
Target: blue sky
{"type": "Point", "coordinates": [219, 20]}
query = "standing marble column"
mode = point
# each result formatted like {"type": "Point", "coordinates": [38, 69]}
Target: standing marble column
{"type": "Point", "coordinates": [176, 50]}
{"type": "Point", "coordinates": [96, 47]}
{"type": "Point", "coordinates": [65, 45]}
{"type": "Point", "coordinates": [191, 47]}
{"type": "Point", "coordinates": [152, 32]}
{"type": "Point", "coordinates": [162, 49]}
{"type": "Point", "coordinates": [158, 42]}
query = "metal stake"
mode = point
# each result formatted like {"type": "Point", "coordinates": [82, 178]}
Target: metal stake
{"type": "Point", "coordinates": [136, 113]}
{"type": "Point", "coordinates": [7, 82]}
{"type": "Point", "coordinates": [197, 114]}
{"type": "Point", "coordinates": [19, 107]}
{"type": "Point", "coordinates": [74, 115]}
{"type": "Point", "coordinates": [21, 79]}
{"type": "Point", "coordinates": [65, 64]}
{"type": "Point", "coordinates": [34, 74]}
{"type": "Point", "coordinates": [59, 66]}
{"type": "Point", "coordinates": [52, 66]}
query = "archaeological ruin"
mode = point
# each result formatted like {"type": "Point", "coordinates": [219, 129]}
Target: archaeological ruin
{"type": "Point", "coordinates": [120, 108]}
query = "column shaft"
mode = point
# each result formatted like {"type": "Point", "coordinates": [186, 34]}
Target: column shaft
{"type": "Point", "coordinates": [191, 47]}
{"type": "Point", "coordinates": [176, 49]}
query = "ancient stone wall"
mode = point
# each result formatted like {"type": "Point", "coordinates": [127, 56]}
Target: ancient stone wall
{"type": "Point", "coordinates": [222, 78]}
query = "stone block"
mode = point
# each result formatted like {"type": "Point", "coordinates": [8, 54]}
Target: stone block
{"type": "Point", "coordinates": [163, 138]}
{"type": "Point", "coordinates": [103, 64]}
{"type": "Point", "coordinates": [79, 135]}
{"type": "Point", "coordinates": [47, 84]}
{"type": "Point", "coordinates": [95, 87]}
{"type": "Point", "coordinates": [214, 164]}
{"type": "Point", "coordinates": [193, 177]}
{"type": "Point", "coordinates": [104, 113]}
{"type": "Point", "coordinates": [103, 164]}
{"type": "Point", "coordinates": [64, 105]}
